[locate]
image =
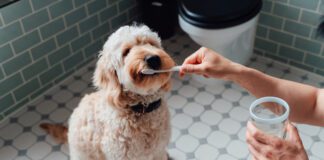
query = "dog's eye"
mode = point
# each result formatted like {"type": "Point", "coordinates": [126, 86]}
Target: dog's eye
{"type": "Point", "coordinates": [125, 52]}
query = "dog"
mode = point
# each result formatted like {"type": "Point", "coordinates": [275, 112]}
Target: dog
{"type": "Point", "coordinates": [126, 118]}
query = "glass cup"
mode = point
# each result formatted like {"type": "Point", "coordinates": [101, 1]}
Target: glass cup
{"type": "Point", "coordinates": [270, 114]}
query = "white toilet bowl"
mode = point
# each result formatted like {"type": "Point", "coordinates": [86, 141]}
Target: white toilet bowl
{"type": "Point", "coordinates": [234, 42]}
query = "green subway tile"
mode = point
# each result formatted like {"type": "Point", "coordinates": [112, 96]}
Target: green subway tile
{"type": "Point", "coordinates": [38, 4]}
{"type": "Point", "coordinates": [315, 36]}
{"type": "Point", "coordinates": [93, 49]}
{"type": "Point", "coordinates": [125, 4]}
{"type": "Point", "coordinates": [6, 101]}
{"type": "Point", "coordinates": [35, 69]}
{"type": "Point", "coordinates": [1, 23]}
{"type": "Point", "coordinates": [35, 20]}
{"type": "Point", "coordinates": [67, 35]}
{"type": "Point", "coordinates": [309, 4]}
{"type": "Point", "coordinates": [73, 61]}
{"type": "Point", "coordinates": [60, 8]}
{"type": "Point", "coordinates": [267, 6]}
{"type": "Point", "coordinates": [41, 91]}
{"type": "Point", "coordinates": [96, 5]}
{"type": "Point", "coordinates": [26, 89]}
{"type": "Point", "coordinates": [75, 16]}
{"type": "Point", "coordinates": [100, 31]}
{"type": "Point", "coordinates": [286, 11]}
{"type": "Point", "coordinates": [280, 37]}
{"type": "Point", "coordinates": [10, 83]}
{"type": "Point", "coordinates": [270, 21]}
{"type": "Point", "coordinates": [112, 1]}
{"type": "Point", "coordinates": [26, 41]}
{"type": "Point", "coordinates": [133, 12]}
{"type": "Point", "coordinates": [297, 28]}
{"type": "Point", "coordinates": [302, 66]}
{"type": "Point", "coordinates": [63, 76]}
{"type": "Point", "coordinates": [321, 7]}
{"type": "Point", "coordinates": [119, 20]}
{"type": "Point", "coordinates": [17, 63]}
{"type": "Point", "coordinates": [87, 61]}
{"type": "Point", "coordinates": [307, 45]}
{"type": "Point", "coordinates": [80, 2]}
{"type": "Point", "coordinates": [291, 53]}
{"type": "Point", "coordinates": [1, 74]}
{"type": "Point", "coordinates": [108, 13]}
{"type": "Point", "coordinates": [5, 52]}
{"type": "Point", "coordinates": [52, 28]}
{"type": "Point", "coordinates": [43, 49]}
{"type": "Point", "coordinates": [10, 32]}
{"type": "Point", "coordinates": [266, 45]}
{"type": "Point", "coordinates": [80, 42]}
{"type": "Point", "coordinates": [58, 55]}
{"type": "Point", "coordinates": [15, 10]}
{"type": "Point", "coordinates": [310, 17]}
{"type": "Point", "coordinates": [16, 107]}
{"type": "Point", "coordinates": [51, 74]}
{"type": "Point", "coordinates": [320, 72]}
{"type": "Point", "coordinates": [314, 61]}
{"type": "Point", "coordinates": [89, 23]}
{"type": "Point", "coordinates": [283, 1]}
{"type": "Point", "coordinates": [277, 58]}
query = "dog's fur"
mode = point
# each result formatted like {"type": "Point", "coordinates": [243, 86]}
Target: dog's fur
{"type": "Point", "coordinates": [103, 127]}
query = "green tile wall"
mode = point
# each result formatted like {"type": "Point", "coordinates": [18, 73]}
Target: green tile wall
{"type": "Point", "coordinates": [287, 32]}
{"type": "Point", "coordinates": [44, 41]}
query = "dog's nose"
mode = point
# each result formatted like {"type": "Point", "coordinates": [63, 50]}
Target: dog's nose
{"type": "Point", "coordinates": [153, 61]}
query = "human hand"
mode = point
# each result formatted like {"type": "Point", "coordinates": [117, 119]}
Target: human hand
{"type": "Point", "coordinates": [208, 63]}
{"type": "Point", "coordinates": [268, 147]}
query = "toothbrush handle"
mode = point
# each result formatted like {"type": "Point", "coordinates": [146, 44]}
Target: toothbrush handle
{"type": "Point", "coordinates": [175, 68]}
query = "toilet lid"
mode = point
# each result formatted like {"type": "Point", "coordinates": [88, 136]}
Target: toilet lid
{"type": "Point", "coordinates": [218, 13]}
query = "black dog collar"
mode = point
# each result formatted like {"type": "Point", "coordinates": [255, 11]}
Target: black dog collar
{"type": "Point", "coordinates": [141, 108]}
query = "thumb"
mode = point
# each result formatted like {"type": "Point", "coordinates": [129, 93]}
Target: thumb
{"type": "Point", "coordinates": [191, 68]}
{"type": "Point", "coordinates": [293, 133]}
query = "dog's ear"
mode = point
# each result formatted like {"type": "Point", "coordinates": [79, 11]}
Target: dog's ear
{"type": "Point", "coordinates": [105, 75]}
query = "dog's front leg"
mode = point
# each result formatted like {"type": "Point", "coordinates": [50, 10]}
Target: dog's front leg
{"type": "Point", "coordinates": [162, 155]}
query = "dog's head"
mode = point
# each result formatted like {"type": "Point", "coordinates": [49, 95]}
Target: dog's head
{"type": "Point", "coordinates": [128, 51]}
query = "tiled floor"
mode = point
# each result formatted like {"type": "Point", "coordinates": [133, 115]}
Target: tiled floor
{"type": "Point", "coordinates": [208, 122]}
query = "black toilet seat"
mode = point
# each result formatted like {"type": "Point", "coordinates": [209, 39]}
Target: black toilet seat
{"type": "Point", "coordinates": [215, 14]}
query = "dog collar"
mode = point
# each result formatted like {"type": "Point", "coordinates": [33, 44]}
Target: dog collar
{"type": "Point", "coordinates": [142, 108]}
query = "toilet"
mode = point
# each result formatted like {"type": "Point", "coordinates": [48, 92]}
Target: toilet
{"type": "Point", "coordinates": [226, 26]}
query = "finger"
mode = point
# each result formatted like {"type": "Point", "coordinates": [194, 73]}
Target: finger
{"type": "Point", "coordinates": [256, 154]}
{"type": "Point", "coordinates": [253, 142]}
{"type": "Point", "coordinates": [257, 134]}
{"type": "Point", "coordinates": [263, 138]}
{"type": "Point", "coordinates": [192, 59]}
{"type": "Point", "coordinates": [181, 74]}
{"type": "Point", "coordinates": [254, 158]}
{"type": "Point", "coordinates": [293, 133]}
{"type": "Point", "coordinates": [206, 76]}
{"type": "Point", "coordinates": [196, 57]}
{"type": "Point", "coordinates": [190, 68]}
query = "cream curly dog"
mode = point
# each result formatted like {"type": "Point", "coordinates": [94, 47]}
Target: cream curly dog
{"type": "Point", "coordinates": [127, 118]}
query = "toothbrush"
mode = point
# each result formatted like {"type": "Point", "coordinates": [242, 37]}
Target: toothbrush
{"type": "Point", "coordinates": [152, 71]}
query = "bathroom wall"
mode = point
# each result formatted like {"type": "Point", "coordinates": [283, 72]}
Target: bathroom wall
{"type": "Point", "coordinates": [287, 32]}
{"type": "Point", "coordinates": [44, 41]}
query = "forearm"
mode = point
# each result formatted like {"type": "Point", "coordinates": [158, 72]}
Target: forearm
{"type": "Point", "coordinates": [301, 98]}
